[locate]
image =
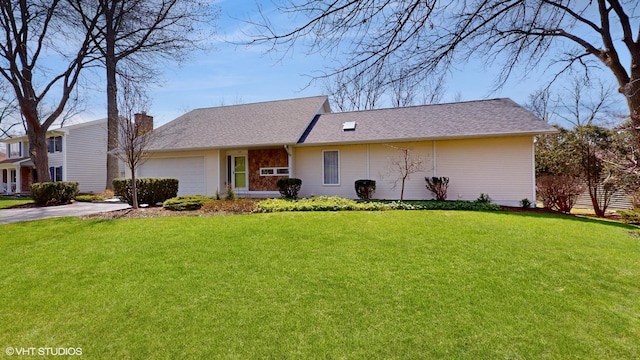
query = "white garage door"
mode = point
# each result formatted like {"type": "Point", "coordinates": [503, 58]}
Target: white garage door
{"type": "Point", "coordinates": [188, 170]}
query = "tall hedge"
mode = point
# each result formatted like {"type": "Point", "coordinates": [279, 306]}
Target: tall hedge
{"type": "Point", "coordinates": [150, 190]}
{"type": "Point", "coordinates": [54, 193]}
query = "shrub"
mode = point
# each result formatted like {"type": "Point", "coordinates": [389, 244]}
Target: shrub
{"type": "Point", "coordinates": [559, 192]}
{"type": "Point", "coordinates": [54, 193]}
{"type": "Point", "coordinates": [89, 198]}
{"type": "Point", "coordinates": [525, 203]}
{"type": "Point", "coordinates": [150, 190]}
{"type": "Point", "coordinates": [438, 186]}
{"type": "Point", "coordinates": [182, 203]}
{"type": "Point", "coordinates": [239, 206]}
{"type": "Point", "coordinates": [289, 187]}
{"type": "Point", "coordinates": [365, 188]}
{"type": "Point", "coordinates": [484, 199]}
{"type": "Point", "coordinates": [630, 216]}
{"type": "Point", "coordinates": [229, 195]}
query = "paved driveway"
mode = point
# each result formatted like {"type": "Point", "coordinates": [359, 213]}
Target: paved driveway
{"type": "Point", "coordinates": [76, 209]}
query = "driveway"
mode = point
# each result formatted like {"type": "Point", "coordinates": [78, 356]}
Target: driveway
{"type": "Point", "coordinates": [76, 209]}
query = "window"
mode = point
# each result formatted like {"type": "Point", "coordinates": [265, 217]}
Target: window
{"type": "Point", "coordinates": [331, 167]}
{"type": "Point", "coordinates": [274, 171]}
{"type": "Point", "coordinates": [54, 144]}
{"type": "Point", "coordinates": [56, 173]}
{"type": "Point", "coordinates": [14, 150]}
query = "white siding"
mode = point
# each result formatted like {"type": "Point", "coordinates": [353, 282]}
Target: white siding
{"type": "Point", "coordinates": [364, 162]}
{"type": "Point", "coordinates": [387, 175]}
{"type": "Point", "coordinates": [308, 167]}
{"type": "Point", "coordinates": [500, 167]}
{"type": "Point", "coordinates": [86, 151]}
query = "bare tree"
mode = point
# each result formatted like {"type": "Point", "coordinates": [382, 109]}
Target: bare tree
{"type": "Point", "coordinates": [579, 103]}
{"type": "Point", "coordinates": [403, 165]}
{"type": "Point", "coordinates": [133, 136]}
{"type": "Point", "coordinates": [9, 115]}
{"type": "Point", "coordinates": [133, 36]}
{"type": "Point", "coordinates": [426, 37]}
{"type": "Point", "coordinates": [361, 93]}
{"type": "Point", "coordinates": [30, 30]}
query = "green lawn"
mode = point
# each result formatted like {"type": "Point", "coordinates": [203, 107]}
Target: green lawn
{"type": "Point", "coordinates": [9, 201]}
{"type": "Point", "coordinates": [391, 284]}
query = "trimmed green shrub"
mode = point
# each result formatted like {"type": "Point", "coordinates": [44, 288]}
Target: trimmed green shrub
{"type": "Point", "coordinates": [150, 190]}
{"type": "Point", "coordinates": [89, 198]}
{"type": "Point", "coordinates": [484, 199]}
{"type": "Point", "coordinates": [289, 187]}
{"type": "Point", "coordinates": [365, 188]}
{"type": "Point", "coordinates": [54, 193]}
{"type": "Point", "coordinates": [630, 216]}
{"type": "Point", "coordinates": [190, 202]}
{"type": "Point", "coordinates": [438, 186]}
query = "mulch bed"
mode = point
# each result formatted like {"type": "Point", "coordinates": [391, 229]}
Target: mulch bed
{"type": "Point", "coordinates": [152, 212]}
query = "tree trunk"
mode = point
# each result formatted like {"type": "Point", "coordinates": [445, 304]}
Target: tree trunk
{"type": "Point", "coordinates": [593, 194]}
{"type": "Point", "coordinates": [38, 153]}
{"type": "Point", "coordinates": [113, 170]}
{"type": "Point", "coordinates": [134, 189]}
{"type": "Point", "coordinates": [37, 136]}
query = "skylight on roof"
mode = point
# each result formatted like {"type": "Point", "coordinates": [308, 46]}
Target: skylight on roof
{"type": "Point", "coordinates": [349, 126]}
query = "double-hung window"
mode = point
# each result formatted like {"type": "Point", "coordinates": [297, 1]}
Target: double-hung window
{"type": "Point", "coordinates": [56, 173]}
{"type": "Point", "coordinates": [14, 150]}
{"type": "Point", "coordinates": [54, 144]}
{"type": "Point", "coordinates": [331, 167]}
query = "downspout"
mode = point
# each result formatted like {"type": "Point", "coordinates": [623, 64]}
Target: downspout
{"type": "Point", "coordinates": [533, 167]}
{"type": "Point", "coordinates": [435, 160]}
{"type": "Point", "coordinates": [289, 159]}
{"type": "Point", "coordinates": [368, 164]}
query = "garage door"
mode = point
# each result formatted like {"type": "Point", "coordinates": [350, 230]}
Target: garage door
{"type": "Point", "coordinates": [188, 170]}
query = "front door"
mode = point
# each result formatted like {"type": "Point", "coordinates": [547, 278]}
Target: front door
{"type": "Point", "coordinates": [239, 172]}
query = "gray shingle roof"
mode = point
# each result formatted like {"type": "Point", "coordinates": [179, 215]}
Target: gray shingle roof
{"type": "Point", "coordinates": [497, 117]}
{"type": "Point", "coordinates": [259, 124]}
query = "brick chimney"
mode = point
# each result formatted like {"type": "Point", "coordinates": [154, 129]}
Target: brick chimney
{"type": "Point", "coordinates": [143, 123]}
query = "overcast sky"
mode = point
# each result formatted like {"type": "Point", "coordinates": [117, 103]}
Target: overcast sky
{"type": "Point", "coordinates": [230, 74]}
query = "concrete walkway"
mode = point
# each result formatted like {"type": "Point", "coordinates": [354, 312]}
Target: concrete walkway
{"type": "Point", "coordinates": [76, 209]}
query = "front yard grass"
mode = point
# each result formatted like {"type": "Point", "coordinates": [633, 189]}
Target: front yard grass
{"type": "Point", "coordinates": [392, 284]}
{"type": "Point", "coordinates": [9, 201]}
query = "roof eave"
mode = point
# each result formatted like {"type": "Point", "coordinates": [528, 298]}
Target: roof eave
{"type": "Point", "coordinates": [433, 138]}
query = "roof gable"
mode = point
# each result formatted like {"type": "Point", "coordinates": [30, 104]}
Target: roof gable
{"type": "Point", "coordinates": [496, 117]}
{"type": "Point", "coordinates": [258, 124]}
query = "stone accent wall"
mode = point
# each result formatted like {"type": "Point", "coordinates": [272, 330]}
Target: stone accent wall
{"type": "Point", "coordinates": [265, 158]}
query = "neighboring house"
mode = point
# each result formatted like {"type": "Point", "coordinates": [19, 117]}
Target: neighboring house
{"type": "Point", "coordinates": [76, 153]}
{"type": "Point", "coordinates": [482, 146]}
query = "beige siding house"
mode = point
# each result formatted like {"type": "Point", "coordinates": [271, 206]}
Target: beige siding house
{"type": "Point", "coordinates": [482, 146]}
{"type": "Point", "coordinates": [76, 153]}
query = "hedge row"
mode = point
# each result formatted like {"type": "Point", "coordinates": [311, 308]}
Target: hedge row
{"type": "Point", "coordinates": [335, 203]}
{"type": "Point", "coordinates": [150, 190]}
